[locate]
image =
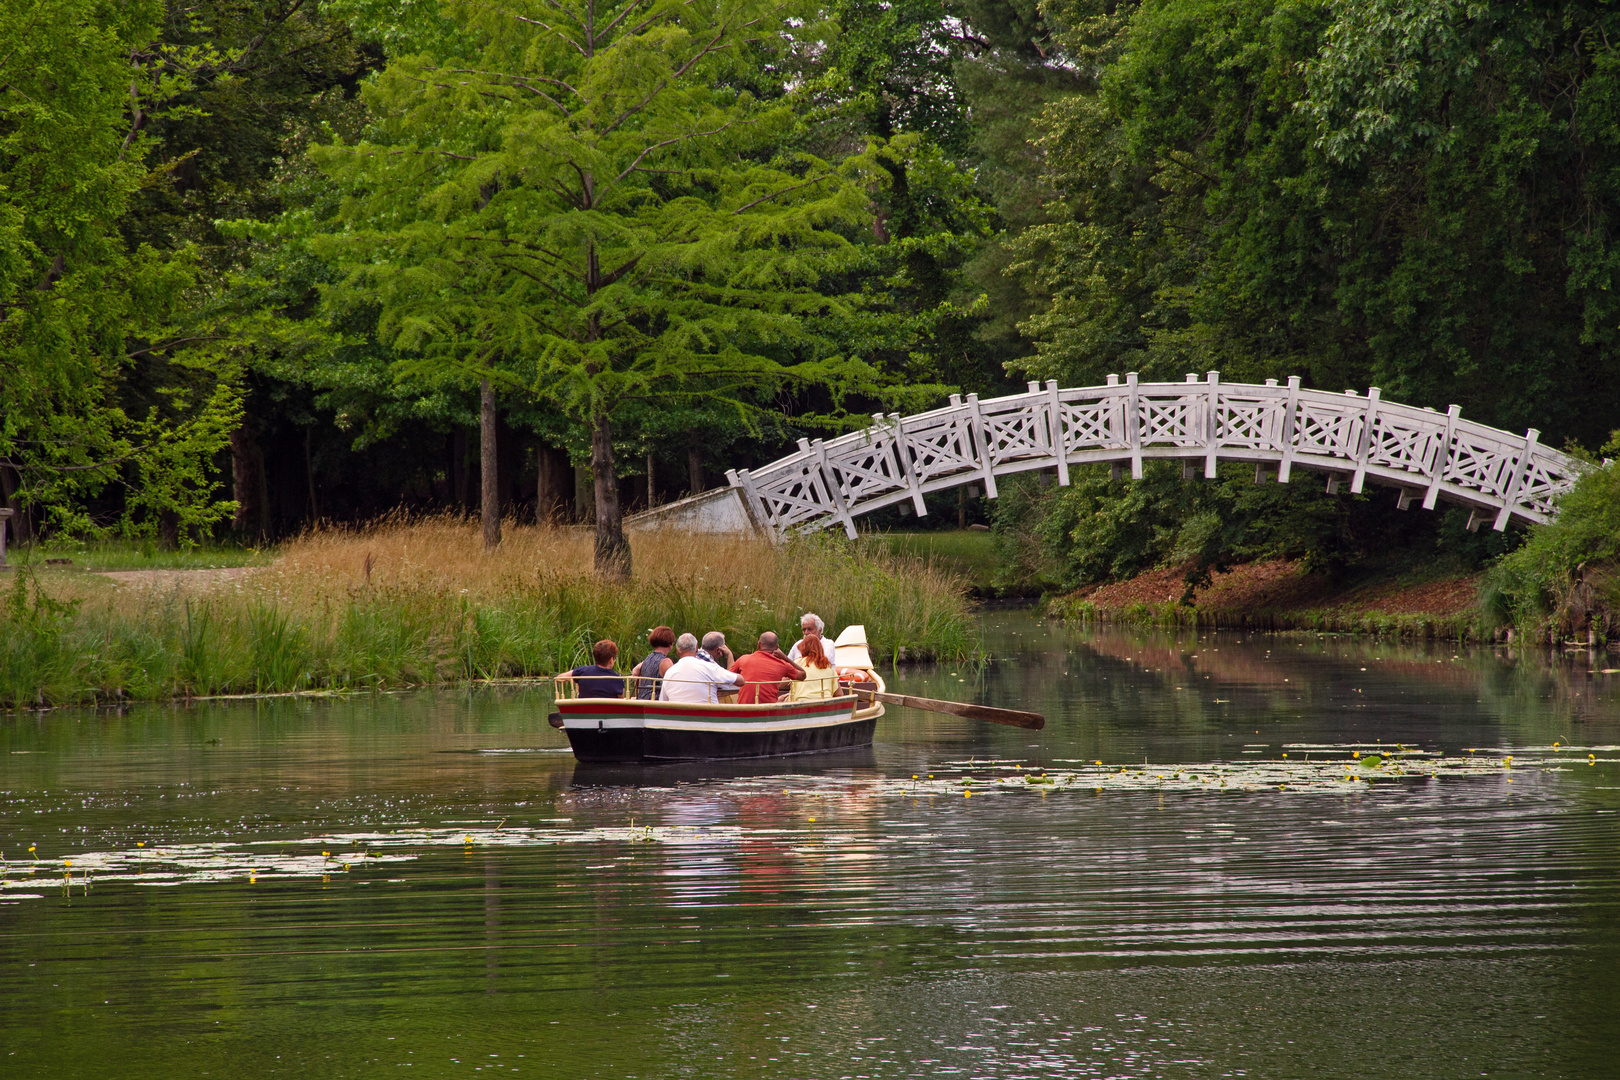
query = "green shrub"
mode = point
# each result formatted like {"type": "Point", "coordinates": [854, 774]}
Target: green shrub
{"type": "Point", "coordinates": [1568, 571]}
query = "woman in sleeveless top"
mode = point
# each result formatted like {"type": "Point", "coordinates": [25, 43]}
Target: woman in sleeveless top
{"type": "Point", "coordinates": [820, 677]}
{"type": "Point", "coordinates": [662, 639]}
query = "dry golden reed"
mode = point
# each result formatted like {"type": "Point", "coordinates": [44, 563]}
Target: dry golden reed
{"type": "Point", "coordinates": [414, 602]}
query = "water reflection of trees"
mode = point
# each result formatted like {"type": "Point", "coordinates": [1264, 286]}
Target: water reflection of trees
{"type": "Point", "coordinates": [1118, 679]}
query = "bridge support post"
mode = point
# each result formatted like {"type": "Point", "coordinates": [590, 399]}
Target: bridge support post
{"type": "Point", "coordinates": [1060, 449]}
{"type": "Point", "coordinates": [1442, 459]}
{"type": "Point", "coordinates": [1364, 446]}
{"type": "Point", "coordinates": [1521, 467]}
{"type": "Point", "coordinates": [1133, 424]}
{"type": "Point", "coordinates": [902, 451]}
{"type": "Point", "coordinates": [1212, 424]}
{"type": "Point", "coordinates": [834, 492]}
{"type": "Point", "coordinates": [1290, 418]}
{"type": "Point", "coordinates": [981, 440]}
{"type": "Point", "coordinates": [753, 505]}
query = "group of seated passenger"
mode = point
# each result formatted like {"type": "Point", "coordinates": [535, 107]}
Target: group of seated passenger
{"type": "Point", "coordinates": [709, 674]}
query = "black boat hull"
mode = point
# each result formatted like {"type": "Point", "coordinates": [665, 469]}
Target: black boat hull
{"type": "Point", "coordinates": [611, 730]}
{"type": "Point", "coordinates": [652, 744]}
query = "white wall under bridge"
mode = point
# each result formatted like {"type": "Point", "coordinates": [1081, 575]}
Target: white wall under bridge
{"type": "Point", "coordinates": [1354, 439]}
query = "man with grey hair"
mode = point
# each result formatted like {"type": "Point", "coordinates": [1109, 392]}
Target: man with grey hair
{"type": "Point", "coordinates": [714, 648]}
{"type": "Point", "coordinates": [811, 623]}
{"type": "Point", "coordinates": [695, 678]}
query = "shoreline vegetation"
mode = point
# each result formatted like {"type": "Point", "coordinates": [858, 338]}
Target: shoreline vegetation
{"type": "Point", "coordinates": [1561, 587]}
{"type": "Point", "coordinates": [1277, 595]}
{"type": "Point", "coordinates": [416, 603]}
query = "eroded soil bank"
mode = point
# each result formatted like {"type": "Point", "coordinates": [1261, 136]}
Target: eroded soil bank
{"type": "Point", "coordinates": [1277, 594]}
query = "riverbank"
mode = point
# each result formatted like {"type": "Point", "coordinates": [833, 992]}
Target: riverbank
{"type": "Point", "coordinates": [966, 553]}
{"type": "Point", "coordinates": [421, 603]}
{"type": "Point", "coordinates": [1277, 594]}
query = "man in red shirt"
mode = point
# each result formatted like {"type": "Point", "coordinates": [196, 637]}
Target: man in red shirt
{"type": "Point", "coordinates": [763, 669]}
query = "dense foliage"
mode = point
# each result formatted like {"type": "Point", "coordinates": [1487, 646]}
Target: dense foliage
{"type": "Point", "coordinates": [82, 304]}
{"type": "Point", "coordinates": [591, 211]}
{"type": "Point", "coordinates": [1418, 196]}
{"type": "Point", "coordinates": [697, 233]}
{"type": "Point", "coordinates": [1566, 577]}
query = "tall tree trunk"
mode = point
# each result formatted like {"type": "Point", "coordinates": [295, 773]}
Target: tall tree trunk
{"type": "Point", "coordinates": [584, 495]}
{"type": "Point", "coordinates": [488, 467]}
{"type": "Point", "coordinates": [554, 486]}
{"type": "Point", "coordinates": [309, 475]}
{"type": "Point", "coordinates": [510, 443]}
{"type": "Point", "coordinates": [460, 473]}
{"type": "Point", "coordinates": [168, 530]}
{"type": "Point", "coordinates": [249, 487]}
{"type": "Point", "coordinates": [612, 549]}
{"type": "Point", "coordinates": [652, 484]}
{"type": "Point", "coordinates": [694, 469]}
{"type": "Point", "coordinates": [21, 521]}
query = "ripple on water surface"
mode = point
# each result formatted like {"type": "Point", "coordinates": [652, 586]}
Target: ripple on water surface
{"type": "Point", "coordinates": [1430, 887]}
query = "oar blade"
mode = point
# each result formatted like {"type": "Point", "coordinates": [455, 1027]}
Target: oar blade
{"type": "Point", "coordinates": [1033, 721]}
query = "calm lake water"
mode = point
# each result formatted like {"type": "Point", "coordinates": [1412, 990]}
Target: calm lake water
{"type": "Point", "coordinates": [427, 884]}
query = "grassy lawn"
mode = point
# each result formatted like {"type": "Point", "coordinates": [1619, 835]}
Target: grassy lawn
{"type": "Point", "coordinates": [968, 552]}
{"type": "Point", "coordinates": [135, 555]}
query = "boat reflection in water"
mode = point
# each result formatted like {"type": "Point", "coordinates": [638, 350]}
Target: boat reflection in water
{"type": "Point", "coordinates": [855, 760]}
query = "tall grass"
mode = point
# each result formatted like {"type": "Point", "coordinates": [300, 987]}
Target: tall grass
{"type": "Point", "coordinates": [419, 602]}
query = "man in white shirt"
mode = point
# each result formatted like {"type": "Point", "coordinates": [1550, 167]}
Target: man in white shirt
{"type": "Point", "coordinates": [694, 679]}
{"type": "Point", "coordinates": [811, 624]}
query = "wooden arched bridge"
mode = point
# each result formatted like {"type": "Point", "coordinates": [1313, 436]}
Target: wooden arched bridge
{"type": "Point", "coordinates": [1354, 439]}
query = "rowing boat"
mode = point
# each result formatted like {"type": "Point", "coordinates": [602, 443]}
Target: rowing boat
{"type": "Point", "coordinates": [630, 730]}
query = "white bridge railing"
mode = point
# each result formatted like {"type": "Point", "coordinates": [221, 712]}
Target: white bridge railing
{"type": "Point", "coordinates": [1428, 455]}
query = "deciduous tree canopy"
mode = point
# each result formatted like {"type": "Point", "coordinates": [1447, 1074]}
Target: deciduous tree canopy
{"type": "Point", "coordinates": [675, 237]}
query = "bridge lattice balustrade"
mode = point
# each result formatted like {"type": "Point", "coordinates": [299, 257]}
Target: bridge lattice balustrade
{"type": "Point", "coordinates": [1351, 437]}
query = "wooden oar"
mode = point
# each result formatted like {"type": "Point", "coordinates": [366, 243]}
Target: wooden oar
{"type": "Point", "coordinates": [1013, 717]}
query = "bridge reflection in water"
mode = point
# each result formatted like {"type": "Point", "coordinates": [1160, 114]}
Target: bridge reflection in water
{"type": "Point", "coordinates": [1354, 439]}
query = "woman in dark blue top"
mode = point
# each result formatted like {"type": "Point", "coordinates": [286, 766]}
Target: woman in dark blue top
{"type": "Point", "coordinates": [658, 662]}
{"type": "Point", "coordinates": [599, 679]}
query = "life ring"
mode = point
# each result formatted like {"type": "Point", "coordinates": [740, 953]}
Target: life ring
{"type": "Point", "coordinates": [855, 675]}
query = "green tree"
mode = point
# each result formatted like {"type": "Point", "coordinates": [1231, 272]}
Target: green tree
{"type": "Point", "coordinates": [1566, 577]}
{"type": "Point", "coordinates": [591, 213]}
{"type": "Point", "coordinates": [1419, 196]}
{"type": "Point", "coordinates": [79, 303]}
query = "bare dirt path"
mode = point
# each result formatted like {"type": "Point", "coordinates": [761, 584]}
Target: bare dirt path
{"type": "Point", "coordinates": [178, 579]}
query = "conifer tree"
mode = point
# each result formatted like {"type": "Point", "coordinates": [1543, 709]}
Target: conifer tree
{"type": "Point", "coordinates": [591, 213]}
